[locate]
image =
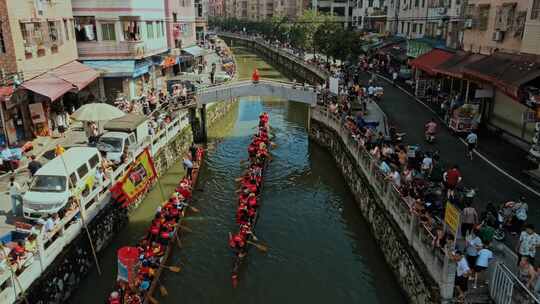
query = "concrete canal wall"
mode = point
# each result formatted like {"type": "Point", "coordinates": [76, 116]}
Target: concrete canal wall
{"type": "Point", "coordinates": [425, 274]}
{"type": "Point", "coordinates": [62, 278]}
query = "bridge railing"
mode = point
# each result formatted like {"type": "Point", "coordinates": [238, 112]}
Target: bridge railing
{"type": "Point", "coordinates": [506, 288]}
{"type": "Point", "coordinates": [420, 235]}
{"type": "Point", "coordinates": [323, 74]}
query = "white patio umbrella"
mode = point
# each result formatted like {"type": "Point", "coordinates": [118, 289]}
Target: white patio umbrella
{"type": "Point", "coordinates": [97, 112]}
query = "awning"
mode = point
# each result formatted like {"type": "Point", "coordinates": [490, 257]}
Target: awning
{"type": "Point", "coordinates": [113, 68]}
{"type": "Point", "coordinates": [76, 73]}
{"type": "Point", "coordinates": [430, 60]}
{"type": "Point", "coordinates": [454, 66]}
{"type": "Point", "coordinates": [195, 51]}
{"type": "Point", "coordinates": [506, 71]}
{"type": "Point", "coordinates": [49, 86]}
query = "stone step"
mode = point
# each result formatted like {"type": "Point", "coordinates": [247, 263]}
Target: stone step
{"type": "Point", "coordinates": [478, 295]}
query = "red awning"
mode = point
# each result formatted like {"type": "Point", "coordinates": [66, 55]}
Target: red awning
{"type": "Point", "coordinates": [430, 60]}
{"type": "Point", "coordinates": [455, 65]}
{"type": "Point", "coordinates": [56, 83]}
{"type": "Point", "coordinates": [77, 74]}
{"type": "Point", "coordinates": [49, 86]}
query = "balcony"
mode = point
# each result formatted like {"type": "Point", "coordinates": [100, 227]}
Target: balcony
{"type": "Point", "coordinates": [112, 50]}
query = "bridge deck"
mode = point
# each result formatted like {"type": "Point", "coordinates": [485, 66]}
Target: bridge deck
{"type": "Point", "coordinates": [281, 90]}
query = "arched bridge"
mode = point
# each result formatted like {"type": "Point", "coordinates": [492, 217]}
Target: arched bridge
{"type": "Point", "coordinates": [270, 88]}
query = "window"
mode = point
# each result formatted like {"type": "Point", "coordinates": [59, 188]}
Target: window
{"type": "Point", "coordinates": [94, 160]}
{"type": "Point", "coordinates": [72, 180]}
{"type": "Point", "coordinates": [162, 28]}
{"type": "Point", "coordinates": [108, 32]}
{"type": "Point", "coordinates": [85, 28]}
{"type": "Point", "coordinates": [423, 3]}
{"type": "Point", "coordinates": [408, 28]}
{"type": "Point", "coordinates": [82, 171]}
{"type": "Point", "coordinates": [24, 33]}
{"type": "Point", "coordinates": [37, 33]}
{"type": "Point", "coordinates": [402, 27]}
{"type": "Point", "coordinates": [174, 17]}
{"type": "Point", "coordinates": [420, 28]}
{"type": "Point", "coordinates": [66, 29]}
{"type": "Point", "coordinates": [370, 3]}
{"type": "Point", "coordinates": [150, 30]}
{"type": "Point", "coordinates": [535, 11]}
{"type": "Point", "coordinates": [483, 18]}
{"type": "Point", "coordinates": [416, 3]}
{"type": "Point", "coordinates": [2, 43]}
{"type": "Point", "coordinates": [53, 31]}
{"type": "Point", "coordinates": [414, 28]}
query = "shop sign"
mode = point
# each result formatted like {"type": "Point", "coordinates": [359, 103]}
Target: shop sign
{"type": "Point", "coordinates": [483, 93]}
{"type": "Point", "coordinates": [37, 113]}
{"type": "Point", "coordinates": [452, 217]}
{"type": "Point", "coordinates": [417, 48]}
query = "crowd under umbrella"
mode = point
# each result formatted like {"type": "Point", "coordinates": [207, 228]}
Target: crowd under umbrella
{"type": "Point", "coordinates": [98, 113]}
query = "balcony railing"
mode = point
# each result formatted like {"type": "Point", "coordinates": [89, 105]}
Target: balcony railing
{"type": "Point", "coordinates": [111, 49]}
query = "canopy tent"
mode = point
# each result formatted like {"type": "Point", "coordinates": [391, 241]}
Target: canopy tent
{"type": "Point", "coordinates": [196, 51]}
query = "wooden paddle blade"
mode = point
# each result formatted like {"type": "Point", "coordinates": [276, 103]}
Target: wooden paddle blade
{"type": "Point", "coordinates": [163, 291]}
{"type": "Point", "coordinates": [153, 300]}
{"type": "Point", "coordinates": [175, 268]}
{"type": "Point", "coordinates": [259, 246]}
{"type": "Point", "coordinates": [194, 209]}
{"type": "Point", "coordinates": [238, 179]}
{"type": "Point", "coordinates": [186, 228]}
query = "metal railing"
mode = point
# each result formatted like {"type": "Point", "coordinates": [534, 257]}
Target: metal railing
{"type": "Point", "coordinates": [420, 236]}
{"type": "Point", "coordinates": [506, 288]}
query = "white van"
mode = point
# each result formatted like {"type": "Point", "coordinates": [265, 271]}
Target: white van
{"type": "Point", "coordinates": [72, 174]}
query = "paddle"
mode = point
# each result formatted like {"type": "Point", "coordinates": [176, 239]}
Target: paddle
{"type": "Point", "coordinates": [261, 247]}
{"type": "Point", "coordinates": [172, 268]}
{"type": "Point", "coordinates": [196, 210]}
{"type": "Point", "coordinates": [178, 242]}
{"type": "Point", "coordinates": [185, 228]}
{"type": "Point", "coordinates": [164, 292]}
{"type": "Point", "coordinates": [153, 300]}
{"type": "Point", "coordinates": [238, 179]}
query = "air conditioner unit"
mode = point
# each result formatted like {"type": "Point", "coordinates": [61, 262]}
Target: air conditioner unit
{"type": "Point", "coordinates": [498, 36]}
{"type": "Point", "coordinates": [468, 23]}
{"type": "Point", "coordinates": [441, 10]}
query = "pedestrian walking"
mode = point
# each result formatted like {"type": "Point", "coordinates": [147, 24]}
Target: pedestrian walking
{"type": "Point", "coordinates": [528, 241]}
{"type": "Point", "coordinates": [188, 166]}
{"type": "Point", "coordinates": [482, 262]}
{"type": "Point", "coordinates": [472, 141]}
{"type": "Point", "coordinates": [15, 194]}
{"type": "Point", "coordinates": [33, 166]}
{"type": "Point", "coordinates": [61, 123]}
{"type": "Point", "coordinates": [451, 178]}
{"type": "Point", "coordinates": [463, 271]}
{"type": "Point", "coordinates": [469, 218]}
{"type": "Point", "coordinates": [526, 273]}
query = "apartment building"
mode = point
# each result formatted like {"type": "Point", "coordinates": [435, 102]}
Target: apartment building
{"type": "Point", "coordinates": [370, 15]}
{"type": "Point", "coordinates": [201, 19]}
{"type": "Point", "coordinates": [39, 73]}
{"type": "Point", "coordinates": [507, 31]}
{"type": "Point", "coordinates": [341, 9]}
{"type": "Point", "coordinates": [120, 39]}
{"type": "Point", "coordinates": [216, 8]}
{"type": "Point", "coordinates": [180, 20]}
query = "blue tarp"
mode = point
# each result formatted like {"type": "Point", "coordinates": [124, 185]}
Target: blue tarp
{"type": "Point", "coordinates": [120, 68]}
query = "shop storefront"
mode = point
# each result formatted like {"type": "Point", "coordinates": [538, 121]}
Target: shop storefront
{"type": "Point", "coordinates": [40, 100]}
{"type": "Point", "coordinates": [425, 76]}
{"type": "Point", "coordinates": [508, 74]}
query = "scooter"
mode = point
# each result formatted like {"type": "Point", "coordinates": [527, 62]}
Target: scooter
{"type": "Point", "coordinates": [430, 137]}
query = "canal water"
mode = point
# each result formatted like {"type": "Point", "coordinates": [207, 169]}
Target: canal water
{"type": "Point", "coordinates": [320, 248]}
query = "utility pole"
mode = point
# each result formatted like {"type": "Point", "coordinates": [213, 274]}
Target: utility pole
{"type": "Point", "coordinates": [396, 17]}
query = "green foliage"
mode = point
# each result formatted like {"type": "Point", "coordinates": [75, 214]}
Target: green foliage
{"type": "Point", "coordinates": [320, 33]}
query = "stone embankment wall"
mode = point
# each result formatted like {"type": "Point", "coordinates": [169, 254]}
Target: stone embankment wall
{"type": "Point", "coordinates": [402, 259]}
{"type": "Point", "coordinates": [410, 269]}
{"type": "Point", "coordinates": [62, 278]}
